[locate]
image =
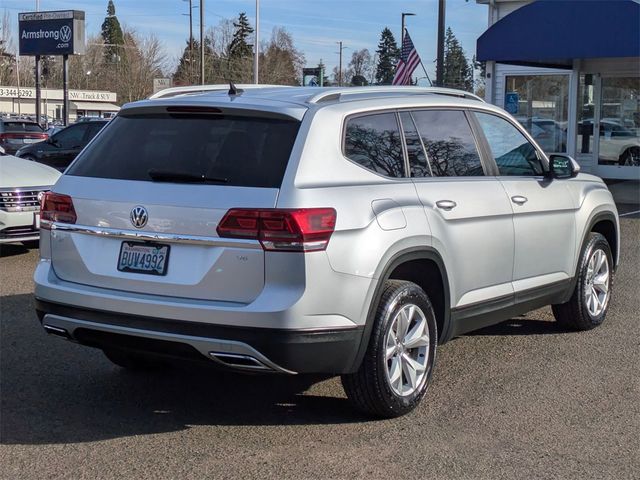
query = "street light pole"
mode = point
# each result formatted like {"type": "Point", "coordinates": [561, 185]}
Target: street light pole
{"type": "Point", "coordinates": [201, 42]}
{"type": "Point", "coordinates": [404, 14]}
{"type": "Point", "coordinates": [256, 46]}
{"type": "Point", "coordinates": [440, 57]}
{"type": "Point", "coordinates": [340, 66]}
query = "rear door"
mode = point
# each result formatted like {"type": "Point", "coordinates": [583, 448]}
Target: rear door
{"type": "Point", "coordinates": [161, 183]}
{"type": "Point", "coordinates": [543, 209]}
{"type": "Point", "coordinates": [468, 212]}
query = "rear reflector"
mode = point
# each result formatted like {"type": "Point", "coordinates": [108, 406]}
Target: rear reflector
{"type": "Point", "coordinates": [290, 230]}
{"type": "Point", "coordinates": [56, 207]}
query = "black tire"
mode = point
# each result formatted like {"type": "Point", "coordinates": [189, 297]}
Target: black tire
{"type": "Point", "coordinates": [575, 314]}
{"type": "Point", "coordinates": [369, 389]}
{"type": "Point", "coordinates": [630, 157]}
{"type": "Point", "coordinates": [133, 361]}
{"type": "Point", "coordinates": [31, 158]}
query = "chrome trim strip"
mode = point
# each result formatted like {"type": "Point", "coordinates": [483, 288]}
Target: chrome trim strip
{"type": "Point", "coordinates": [151, 236]}
{"type": "Point", "coordinates": [24, 189]}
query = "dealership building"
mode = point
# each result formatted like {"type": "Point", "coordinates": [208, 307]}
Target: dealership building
{"type": "Point", "coordinates": [569, 71]}
{"type": "Point", "coordinates": [82, 103]}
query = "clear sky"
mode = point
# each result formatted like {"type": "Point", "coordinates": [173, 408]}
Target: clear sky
{"type": "Point", "coordinates": [316, 25]}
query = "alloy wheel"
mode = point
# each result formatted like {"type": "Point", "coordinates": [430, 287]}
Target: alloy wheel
{"type": "Point", "coordinates": [597, 283]}
{"type": "Point", "coordinates": [407, 350]}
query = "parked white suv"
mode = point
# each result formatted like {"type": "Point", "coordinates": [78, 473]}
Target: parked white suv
{"type": "Point", "coordinates": [22, 184]}
{"type": "Point", "coordinates": [298, 230]}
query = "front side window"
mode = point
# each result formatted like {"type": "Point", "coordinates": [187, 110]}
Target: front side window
{"type": "Point", "coordinates": [374, 142]}
{"type": "Point", "coordinates": [514, 154]}
{"type": "Point", "coordinates": [449, 142]}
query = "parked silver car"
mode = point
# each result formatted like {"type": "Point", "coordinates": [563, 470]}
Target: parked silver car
{"type": "Point", "coordinates": [298, 230]}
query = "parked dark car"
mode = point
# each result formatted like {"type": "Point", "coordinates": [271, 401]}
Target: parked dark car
{"type": "Point", "coordinates": [16, 133]}
{"type": "Point", "coordinates": [62, 147]}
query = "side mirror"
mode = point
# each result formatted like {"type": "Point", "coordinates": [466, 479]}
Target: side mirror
{"type": "Point", "coordinates": [562, 166]}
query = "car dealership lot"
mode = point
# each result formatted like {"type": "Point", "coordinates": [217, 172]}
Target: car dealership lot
{"type": "Point", "coordinates": [521, 399]}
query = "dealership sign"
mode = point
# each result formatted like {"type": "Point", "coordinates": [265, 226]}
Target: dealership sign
{"type": "Point", "coordinates": [51, 33]}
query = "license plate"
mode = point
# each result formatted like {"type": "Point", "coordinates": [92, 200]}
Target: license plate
{"type": "Point", "coordinates": [32, 140]}
{"type": "Point", "coordinates": [146, 258]}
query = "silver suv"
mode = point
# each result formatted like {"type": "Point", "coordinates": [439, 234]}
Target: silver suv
{"type": "Point", "coordinates": [306, 230]}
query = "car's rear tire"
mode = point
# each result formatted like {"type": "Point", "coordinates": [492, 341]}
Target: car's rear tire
{"type": "Point", "coordinates": [133, 361]}
{"type": "Point", "coordinates": [396, 370]}
{"type": "Point", "coordinates": [588, 305]}
{"type": "Point", "coordinates": [31, 158]}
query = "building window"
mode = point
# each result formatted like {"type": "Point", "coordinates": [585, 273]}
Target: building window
{"type": "Point", "coordinates": [540, 103]}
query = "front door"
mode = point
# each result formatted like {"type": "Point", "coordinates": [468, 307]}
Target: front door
{"type": "Point", "coordinates": [543, 210]}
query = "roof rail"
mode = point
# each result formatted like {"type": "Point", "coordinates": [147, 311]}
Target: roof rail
{"type": "Point", "coordinates": [195, 89]}
{"type": "Point", "coordinates": [330, 94]}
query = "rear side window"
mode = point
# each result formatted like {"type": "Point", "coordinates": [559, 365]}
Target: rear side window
{"type": "Point", "coordinates": [417, 158]}
{"type": "Point", "coordinates": [449, 142]}
{"type": "Point", "coordinates": [237, 150]}
{"type": "Point", "coordinates": [374, 142]}
{"type": "Point", "coordinates": [22, 127]}
{"type": "Point", "coordinates": [514, 154]}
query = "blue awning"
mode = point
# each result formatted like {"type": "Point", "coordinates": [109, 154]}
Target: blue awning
{"type": "Point", "coordinates": [554, 32]}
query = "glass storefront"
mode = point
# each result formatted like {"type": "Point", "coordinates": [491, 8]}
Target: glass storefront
{"type": "Point", "coordinates": [619, 122]}
{"type": "Point", "coordinates": [541, 104]}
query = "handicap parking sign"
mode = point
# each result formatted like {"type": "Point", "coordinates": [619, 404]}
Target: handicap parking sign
{"type": "Point", "coordinates": [511, 102]}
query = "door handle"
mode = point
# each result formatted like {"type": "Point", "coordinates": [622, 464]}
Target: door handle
{"type": "Point", "coordinates": [446, 204]}
{"type": "Point", "coordinates": [519, 199]}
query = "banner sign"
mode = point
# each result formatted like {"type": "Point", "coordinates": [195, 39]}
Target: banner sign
{"type": "Point", "coordinates": [52, 33]}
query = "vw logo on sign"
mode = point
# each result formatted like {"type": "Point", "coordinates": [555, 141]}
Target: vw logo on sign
{"type": "Point", "coordinates": [139, 216]}
{"type": "Point", "coordinates": [65, 33]}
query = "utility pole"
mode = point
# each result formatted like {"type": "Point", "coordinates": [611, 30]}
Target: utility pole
{"type": "Point", "coordinates": [440, 58]}
{"type": "Point", "coordinates": [340, 64]}
{"type": "Point", "coordinates": [190, 41]}
{"type": "Point", "coordinates": [256, 47]}
{"type": "Point", "coordinates": [201, 42]}
{"type": "Point", "coordinates": [38, 91]}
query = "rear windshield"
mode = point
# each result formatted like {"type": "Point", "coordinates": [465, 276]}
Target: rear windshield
{"type": "Point", "coordinates": [241, 151]}
{"type": "Point", "coordinates": [22, 127]}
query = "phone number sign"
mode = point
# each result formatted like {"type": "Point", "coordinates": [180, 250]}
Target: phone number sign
{"type": "Point", "coordinates": [52, 33]}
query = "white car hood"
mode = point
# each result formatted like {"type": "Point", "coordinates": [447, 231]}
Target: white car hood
{"type": "Point", "coordinates": [17, 172]}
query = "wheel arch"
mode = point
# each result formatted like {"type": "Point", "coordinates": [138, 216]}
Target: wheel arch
{"type": "Point", "coordinates": [403, 266]}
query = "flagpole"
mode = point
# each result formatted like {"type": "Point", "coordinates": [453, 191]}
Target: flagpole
{"type": "Point", "coordinates": [425, 72]}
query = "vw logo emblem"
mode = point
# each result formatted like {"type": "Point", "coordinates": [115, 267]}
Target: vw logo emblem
{"type": "Point", "coordinates": [139, 216]}
{"type": "Point", "coordinates": [65, 33]}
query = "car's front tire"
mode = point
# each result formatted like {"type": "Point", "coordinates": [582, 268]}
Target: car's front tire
{"type": "Point", "coordinates": [588, 305]}
{"type": "Point", "coordinates": [397, 367]}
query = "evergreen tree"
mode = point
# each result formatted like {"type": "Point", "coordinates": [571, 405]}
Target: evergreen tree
{"type": "Point", "coordinates": [239, 48]}
{"type": "Point", "coordinates": [458, 73]}
{"type": "Point", "coordinates": [325, 79]}
{"type": "Point", "coordinates": [388, 56]}
{"type": "Point", "coordinates": [112, 34]}
{"type": "Point", "coordinates": [188, 66]}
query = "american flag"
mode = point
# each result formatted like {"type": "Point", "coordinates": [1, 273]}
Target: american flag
{"type": "Point", "coordinates": [409, 60]}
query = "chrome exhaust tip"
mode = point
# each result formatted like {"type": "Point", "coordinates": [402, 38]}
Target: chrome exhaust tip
{"type": "Point", "coordinates": [235, 360]}
{"type": "Point", "coordinates": [60, 332]}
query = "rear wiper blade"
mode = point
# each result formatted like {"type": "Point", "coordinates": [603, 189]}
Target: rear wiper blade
{"type": "Point", "coordinates": [182, 177]}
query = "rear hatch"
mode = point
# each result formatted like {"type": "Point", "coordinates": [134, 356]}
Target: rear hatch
{"type": "Point", "coordinates": [150, 190]}
{"type": "Point", "coordinates": [20, 133]}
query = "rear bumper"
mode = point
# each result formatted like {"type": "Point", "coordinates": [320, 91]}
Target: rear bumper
{"type": "Point", "coordinates": [286, 351]}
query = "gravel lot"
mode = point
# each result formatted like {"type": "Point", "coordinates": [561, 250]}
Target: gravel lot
{"type": "Point", "coordinates": [523, 399]}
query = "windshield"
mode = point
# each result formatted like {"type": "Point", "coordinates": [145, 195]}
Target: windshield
{"type": "Point", "coordinates": [244, 151]}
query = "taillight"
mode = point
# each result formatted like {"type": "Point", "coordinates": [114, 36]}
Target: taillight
{"type": "Point", "coordinates": [290, 230]}
{"type": "Point", "coordinates": [56, 207]}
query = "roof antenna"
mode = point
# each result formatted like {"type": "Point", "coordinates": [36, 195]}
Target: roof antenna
{"type": "Point", "coordinates": [233, 90]}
